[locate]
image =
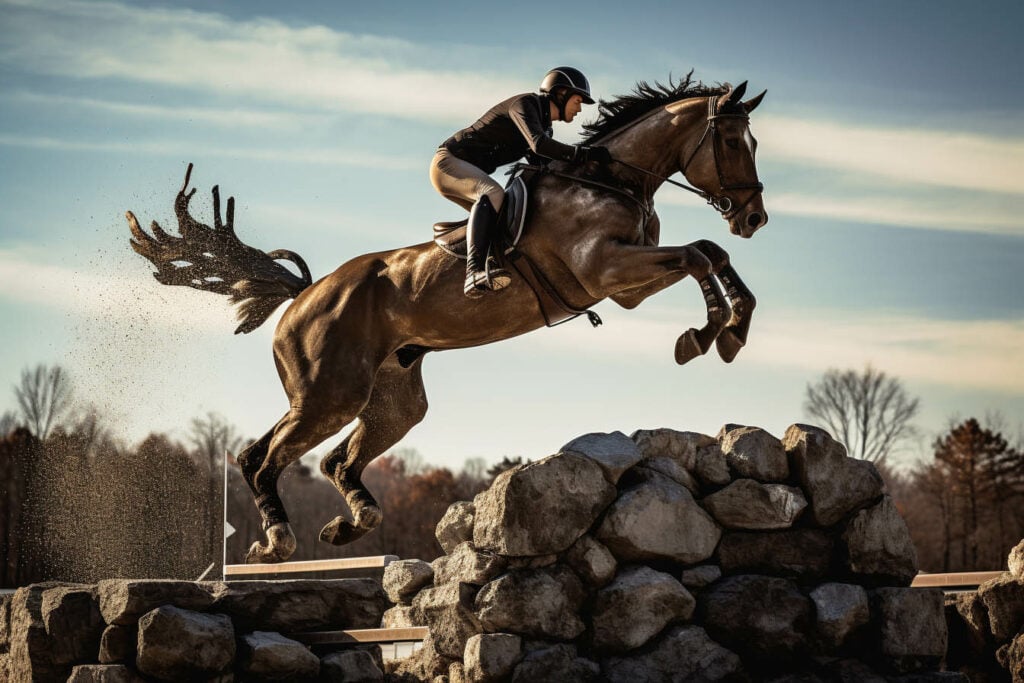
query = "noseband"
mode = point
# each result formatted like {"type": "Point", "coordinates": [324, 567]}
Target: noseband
{"type": "Point", "coordinates": [722, 204]}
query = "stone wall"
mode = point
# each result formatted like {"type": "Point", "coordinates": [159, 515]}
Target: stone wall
{"type": "Point", "coordinates": [986, 626]}
{"type": "Point", "coordinates": [675, 556]}
{"type": "Point", "coordinates": [126, 630]}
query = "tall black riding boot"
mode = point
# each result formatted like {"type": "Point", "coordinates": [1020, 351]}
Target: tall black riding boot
{"type": "Point", "coordinates": [482, 272]}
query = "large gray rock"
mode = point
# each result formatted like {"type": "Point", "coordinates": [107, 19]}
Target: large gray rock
{"type": "Point", "coordinates": [542, 603]}
{"type": "Point", "coordinates": [177, 644]}
{"type": "Point", "coordinates": [614, 452]}
{"type": "Point", "coordinates": [123, 601]}
{"type": "Point", "coordinates": [834, 483]}
{"type": "Point", "coordinates": [1003, 598]}
{"type": "Point", "coordinates": [555, 663]}
{"type": "Point", "coordinates": [711, 467]}
{"type": "Point", "coordinates": [52, 627]}
{"type": "Point", "coordinates": [448, 612]}
{"type": "Point", "coordinates": [684, 654]}
{"type": "Point", "coordinates": [792, 553]}
{"type": "Point", "coordinates": [591, 561]}
{"type": "Point", "coordinates": [456, 526]}
{"type": "Point", "coordinates": [878, 548]}
{"type": "Point", "coordinates": [840, 609]}
{"type": "Point", "coordinates": [269, 656]}
{"type": "Point", "coordinates": [118, 644]}
{"type": "Point", "coordinates": [1015, 560]}
{"type": "Point", "coordinates": [748, 504]}
{"type": "Point", "coordinates": [302, 605]}
{"type": "Point", "coordinates": [658, 520]}
{"type": "Point", "coordinates": [103, 673]}
{"type": "Point", "coordinates": [764, 617]}
{"type": "Point", "coordinates": [911, 627]}
{"type": "Point", "coordinates": [667, 467]}
{"type": "Point", "coordinates": [466, 564]}
{"type": "Point", "coordinates": [753, 453]}
{"type": "Point", "coordinates": [679, 446]}
{"type": "Point", "coordinates": [404, 578]}
{"type": "Point", "coordinates": [514, 516]}
{"type": "Point", "coordinates": [636, 606]}
{"type": "Point", "coordinates": [350, 666]}
{"type": "Point", "coordinates": [491, 657]}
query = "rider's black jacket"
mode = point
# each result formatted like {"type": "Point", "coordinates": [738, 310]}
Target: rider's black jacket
{"type": "Point", "coordinates": [507, 132]}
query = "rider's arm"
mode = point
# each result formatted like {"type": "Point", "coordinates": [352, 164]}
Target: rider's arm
{"type": "Point", "coordinates": [527, 117]}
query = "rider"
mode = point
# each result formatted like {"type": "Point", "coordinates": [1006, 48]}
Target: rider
{"type": "Point", "coordinates": [506, 133]}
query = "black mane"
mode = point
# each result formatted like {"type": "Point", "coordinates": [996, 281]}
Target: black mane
{"type": "Point", "coordinates": [616, 113]}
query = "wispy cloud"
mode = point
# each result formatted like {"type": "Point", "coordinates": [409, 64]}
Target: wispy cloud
{"type": "Point", "coordinates": [971, 354]}
{"type": "Point", "coordinates": [335, 157]}
{"type": "Point", "coordinates": [215, 116]}
{"type": "Point", "coordinates": [261, 59]}
{"type": "Point", "coordinates": [943, 158]}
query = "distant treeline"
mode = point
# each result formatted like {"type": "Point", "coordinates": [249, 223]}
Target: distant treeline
{"type": "Point", "coordinates": [78, 505]}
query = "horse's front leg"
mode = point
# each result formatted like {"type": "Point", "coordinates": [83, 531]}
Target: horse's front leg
{"type": "Point", "coordinates": [638, 272]}
{"type": "Point", "coordinates": [734, 336]}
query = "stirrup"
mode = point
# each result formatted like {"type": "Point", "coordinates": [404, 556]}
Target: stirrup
{"type": "Point", "coordinates": [490, 279]}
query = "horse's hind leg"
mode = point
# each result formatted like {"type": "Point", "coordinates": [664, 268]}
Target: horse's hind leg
{"type": "Point", "coordinates": [397, 404]}
{"type": "Point", "coordinates": [262, 463]}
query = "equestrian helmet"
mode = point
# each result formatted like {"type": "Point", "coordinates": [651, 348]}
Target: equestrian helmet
{"type": "Point", "coordinates": [569, 78]}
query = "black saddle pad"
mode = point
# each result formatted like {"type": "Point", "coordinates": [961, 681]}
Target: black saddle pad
{"type": "Point", "coordinates": [451, 236]}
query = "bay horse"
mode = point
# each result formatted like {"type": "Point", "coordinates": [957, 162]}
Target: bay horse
{"type": "Point", "coordinates": [351, 345]}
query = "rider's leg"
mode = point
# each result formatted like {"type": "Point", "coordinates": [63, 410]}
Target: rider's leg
{"type": "Point", "coordinates": [469, 186]}
{"type": "Point", "coordinates": [482, 272]}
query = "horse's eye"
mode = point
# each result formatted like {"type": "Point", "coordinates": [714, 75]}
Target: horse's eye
{"type": "Point", "coordinates": [732, 143]}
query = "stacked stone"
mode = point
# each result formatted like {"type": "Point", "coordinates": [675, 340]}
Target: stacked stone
{"type": "Point", "coordinates": [134, 630]}
{"type": "Point", "coordinates": [674, 556]}
{"type": "Point", "coordinates": [987, 626]}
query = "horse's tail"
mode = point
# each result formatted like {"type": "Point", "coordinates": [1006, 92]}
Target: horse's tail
{"type": "Point", "coordinates": [215, 260]}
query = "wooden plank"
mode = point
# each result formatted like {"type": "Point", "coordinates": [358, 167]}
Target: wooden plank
{"type": "Point", "coordinates": [363, 635]}
{"type": "Point", "coordinates": [337, 564]}
{"type": "Point", "coordinates": [953, 579]}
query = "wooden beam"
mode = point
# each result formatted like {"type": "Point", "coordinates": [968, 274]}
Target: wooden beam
{"type": "Point", "coordinates": [337, 564]}
{"type": "Point", "coordinates": [954, 579]}
{"type": "Point", "coordinates": [361, 636]}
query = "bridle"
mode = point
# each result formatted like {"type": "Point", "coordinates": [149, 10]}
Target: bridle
{"type": "Point", "coordinates": [724, 205]}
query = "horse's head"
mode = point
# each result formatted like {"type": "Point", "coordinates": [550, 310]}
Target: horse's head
{"type": "Point", "coordinates": [720, 162]}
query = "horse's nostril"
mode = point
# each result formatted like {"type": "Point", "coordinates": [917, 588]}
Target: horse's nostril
{"type": "Point", "coordinates": [755, 220]}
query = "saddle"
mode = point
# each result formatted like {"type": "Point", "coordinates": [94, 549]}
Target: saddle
{"type": "Point", "coordinates": [451, 235]}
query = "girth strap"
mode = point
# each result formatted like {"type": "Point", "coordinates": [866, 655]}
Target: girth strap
{"type": "Point", "coordinates": [552, 306]}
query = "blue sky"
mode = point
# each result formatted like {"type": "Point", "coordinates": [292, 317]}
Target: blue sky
{"type": "Point", "coordinates": [891, 148]}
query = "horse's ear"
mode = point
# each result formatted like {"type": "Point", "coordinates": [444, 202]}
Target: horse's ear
{"type": "Point", "coordinates": [733, 96]}
{"type": "Point", "coordinates": [737, 93]}
{"type": "Point", "coordinates": [751, 104]}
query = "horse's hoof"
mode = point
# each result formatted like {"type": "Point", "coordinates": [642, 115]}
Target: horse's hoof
{"type": "Point", "coordinates": [341, 532]}
{"type": "Point", "coordinates": [279, 547]}
{"type": "Point", "coordinates": [728, 345]}
{"type": "Point", "coordinates": [687, 347]}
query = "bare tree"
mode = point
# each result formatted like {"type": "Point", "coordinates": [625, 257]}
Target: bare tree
{"type": "Point", "coordinates": [8, 423]}
{"type": "Point", "coordinates": [868, 411]}
{"type": "Point", "coordinates": [44, 396]}
{"type": "Point", "coordinates": [211, 437]}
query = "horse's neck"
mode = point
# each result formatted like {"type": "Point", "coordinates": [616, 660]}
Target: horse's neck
{"type": "Point", "coordinates": [659, 141]}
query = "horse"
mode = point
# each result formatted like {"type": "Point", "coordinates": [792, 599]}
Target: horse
{"type": "Point", "coordinates": [352, 344]}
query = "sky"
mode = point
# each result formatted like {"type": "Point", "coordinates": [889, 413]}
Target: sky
{"type": "Point", "coordinates": [890, 147]}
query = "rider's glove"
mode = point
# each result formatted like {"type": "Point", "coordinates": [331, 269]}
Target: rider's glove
{"type": "Point", "coordinates": [599, 154]}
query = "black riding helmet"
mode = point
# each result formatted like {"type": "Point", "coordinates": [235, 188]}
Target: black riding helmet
{"type": "Point", "coordinates": [566, 81]}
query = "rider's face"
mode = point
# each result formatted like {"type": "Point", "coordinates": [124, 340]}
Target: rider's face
{"type": "Point", "coordinates": [573, 107]}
